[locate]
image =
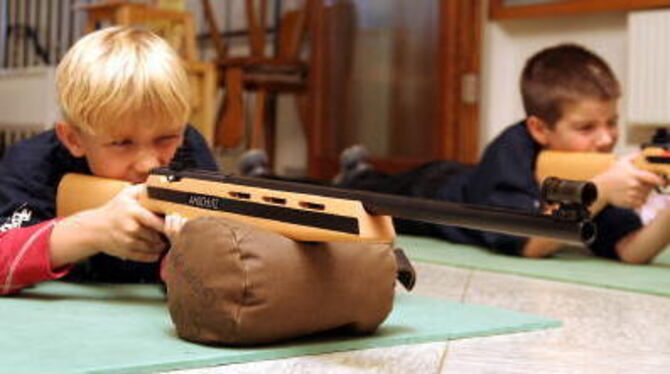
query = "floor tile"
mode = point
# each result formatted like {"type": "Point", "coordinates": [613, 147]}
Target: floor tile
{"type": "Point", "coordinates": [418, 358]}
{"type": "Point", "coordinates": [603, 330]}
{"type": "Point", "coordinates": [441, 281]}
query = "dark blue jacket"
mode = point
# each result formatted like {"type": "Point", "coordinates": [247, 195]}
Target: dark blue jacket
{"type": "Point", "coordinates": [505, 177]}
{"type": "Point", "coordinates": [29, 176]}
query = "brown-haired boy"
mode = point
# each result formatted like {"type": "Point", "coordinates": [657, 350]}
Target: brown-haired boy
{"type": "Point", "coordinates": [124, 97]}
{"type": "Point", "coordinates": [570, 96]}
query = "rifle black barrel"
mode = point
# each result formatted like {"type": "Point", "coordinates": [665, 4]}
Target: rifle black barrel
{"type": "Point", "coordinates": [481, 218]}
{"type": "Point", "coordinates": [476, 217]}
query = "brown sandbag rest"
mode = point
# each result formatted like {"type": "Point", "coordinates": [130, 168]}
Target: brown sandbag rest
{"type": "Point", "coordinates": [233, 284]}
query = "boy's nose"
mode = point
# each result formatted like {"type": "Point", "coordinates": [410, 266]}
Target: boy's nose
{"type": "Point", "coordinates": [147, 161]}
{"type": "Point", "coordinates": [605, 140]}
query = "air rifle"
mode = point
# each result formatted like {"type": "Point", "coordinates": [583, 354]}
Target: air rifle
{"type": "Point", "coordinates": [654, 157]}
{"type": "Point", "coordinates": [309, 212]}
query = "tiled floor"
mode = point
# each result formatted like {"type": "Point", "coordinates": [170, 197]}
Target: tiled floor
{"type": "Point", "coordinates": [604, 331]}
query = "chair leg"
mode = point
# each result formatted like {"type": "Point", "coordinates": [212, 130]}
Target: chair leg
{"type": "Point", "coordinates": [302, 106]}
{"type": "Point", "coordinates": [258, 126]}
{"type": "Point", "coordinates": [230, 129]}
{"type": "Point", "coordinates": [271, 125]}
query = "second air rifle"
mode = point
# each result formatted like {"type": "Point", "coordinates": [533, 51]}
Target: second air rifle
{"type": "Point", "coordinates": [307, 212]}
{"type": "Point", "coordinates": [654, 157]}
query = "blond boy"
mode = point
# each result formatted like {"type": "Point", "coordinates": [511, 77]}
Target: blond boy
{"type": "Point", "coordinates": [124, 98]}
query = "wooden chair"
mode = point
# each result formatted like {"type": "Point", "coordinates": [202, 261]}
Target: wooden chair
{"type": "Point", "coordinates": [285, 72]}
{"type": "Point", "coordinates": [117, 12]}
{"type": "Point", "coordinates": [177, 28]}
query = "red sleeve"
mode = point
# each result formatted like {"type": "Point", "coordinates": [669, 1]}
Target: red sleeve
{"type": "Point", "coordinates": [24, 257]}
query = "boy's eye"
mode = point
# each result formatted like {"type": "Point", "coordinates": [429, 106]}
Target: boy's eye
{"type": "Point", "coordinates": [168, 139]}
{"type": "Point", "coordinates": [121, 143]}
{"type": "Point", "coordinates": [585, 128]}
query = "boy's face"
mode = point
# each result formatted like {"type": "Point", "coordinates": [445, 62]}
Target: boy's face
{"type": "Point", "coordinates": [589, 125]}
{"type": "Point", "coordinates": [129, 154]}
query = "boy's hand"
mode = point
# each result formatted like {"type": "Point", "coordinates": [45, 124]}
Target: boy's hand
{"type": "Point", "coordinates": [127, 230]}
{"type": "Point", "coordinates": [121, 228]}
{"type": "Point", "coordinates": [625, 185]}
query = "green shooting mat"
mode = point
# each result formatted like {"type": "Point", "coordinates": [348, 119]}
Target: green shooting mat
{"type": "Point", "coordinates": [566, 266]}
{"type": "Point", "coordinates": [59, 327]}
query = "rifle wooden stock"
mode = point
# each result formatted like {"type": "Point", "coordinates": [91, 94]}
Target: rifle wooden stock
{"type": "Point", "coordinates": [586, 165]}
{"type": "Point", "coordinates": [572, 165]}
{"type": "Point", "coordinates": [308, 212]}
{"type": "Point", "coordinates": [315, 218]}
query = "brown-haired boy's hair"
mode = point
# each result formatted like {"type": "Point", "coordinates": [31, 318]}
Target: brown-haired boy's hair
{"type": "Point", "coordinates": [563, 74]}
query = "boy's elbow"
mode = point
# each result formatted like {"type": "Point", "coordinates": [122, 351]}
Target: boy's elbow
{"type": "Point", "coordinates": [538, 248]}
{"type": "Point", "coordinates": [633, 259]}
{"type": "Point", "coordinates": [533, 252]}
{"type": "Point", "coordinates": [631, 251]}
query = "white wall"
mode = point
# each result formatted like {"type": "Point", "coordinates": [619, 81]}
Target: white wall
{"type": "Point", "coordinates": [28, 97]}
{"type": "Point", "coordinates": [291, 141]}
{"type": "Point", "coordinates": [506, 46]}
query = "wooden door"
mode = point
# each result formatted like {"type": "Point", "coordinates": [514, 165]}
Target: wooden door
{"type": "Point", "coordinates": [400, 77]}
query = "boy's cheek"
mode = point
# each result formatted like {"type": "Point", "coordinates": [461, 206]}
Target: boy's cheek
{"type": "Point", "coordinates": [108, 168]}
{"type": "Point", "coordinates": [578, 142]}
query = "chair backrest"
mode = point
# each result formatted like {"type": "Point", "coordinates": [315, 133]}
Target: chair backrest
{"type": "Point", "coordinates": [220, 46]}
{"type": "Point", "coordinates": [256, 26]}
{"type": "Point", "coordinates": [291, 33]}
{"type": "Point", "coordinates": [173, 25]}
{"type": "Point", "coordinates": [170, 4]}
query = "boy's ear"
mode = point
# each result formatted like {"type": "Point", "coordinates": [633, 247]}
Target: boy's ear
{"type": "Point", "coordinates": [71, 138]}
{"type": "Point", "coordinates": [538, 129]}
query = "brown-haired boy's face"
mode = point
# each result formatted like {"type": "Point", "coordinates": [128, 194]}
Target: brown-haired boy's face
{"type": "Point", "coordinates": [129, 154]}
{"type": "Point", "coordinates": [587, 125]}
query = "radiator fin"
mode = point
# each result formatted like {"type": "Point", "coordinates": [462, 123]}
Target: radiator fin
{"type": "Point", "coordinates": [649, 67]}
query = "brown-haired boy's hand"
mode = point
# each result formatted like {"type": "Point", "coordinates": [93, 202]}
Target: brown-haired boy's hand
{"type": "Point", "coordinates": [121, 228]}
{"type": "Point", "coordinates": [625, 185]}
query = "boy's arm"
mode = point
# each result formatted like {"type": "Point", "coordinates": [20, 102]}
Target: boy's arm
{"type": "Point", "coordinates": [621, 185]}
{"type": "Point", "coordinates": [121, 228]}
{"type": "Point", "coordinates": [44, 251]}
{"type": "Point", "coordinates": [24, 257]}
{"type": "Point", "coordinates": [72, 240]}
{"type": "Point", "coordinates": [642, 245]}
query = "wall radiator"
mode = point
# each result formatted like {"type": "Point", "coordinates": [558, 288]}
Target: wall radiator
{"type": "Point", "coordinates": [648, 88]}
{"type": "Point", "coordinates": [10, 135]}
{"type": "Point", "coordinates": [38, 32]}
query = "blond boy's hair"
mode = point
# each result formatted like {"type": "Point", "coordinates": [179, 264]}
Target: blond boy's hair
{"type": "Point", "coordinates": [116, 73]}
